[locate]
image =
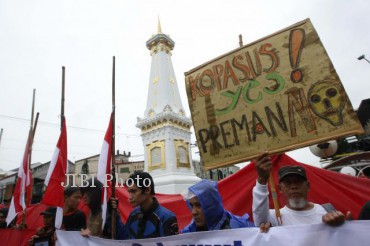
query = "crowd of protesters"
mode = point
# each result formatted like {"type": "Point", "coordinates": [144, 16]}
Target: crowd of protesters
{"type": "Point", "coordinates": [149, 219]}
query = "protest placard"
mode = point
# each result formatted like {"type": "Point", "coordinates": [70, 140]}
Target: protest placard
{"type": "Point", "coordinates": [278, 93]}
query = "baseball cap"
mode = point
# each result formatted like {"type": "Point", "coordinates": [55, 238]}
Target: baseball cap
{"type": "Point", "coordinates": [288, 170]}
{"type": "Point", "coordinates": [50, 211]}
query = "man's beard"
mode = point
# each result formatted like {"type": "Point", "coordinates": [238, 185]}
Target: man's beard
{"type": "Point", "coordinates": [297, 203]}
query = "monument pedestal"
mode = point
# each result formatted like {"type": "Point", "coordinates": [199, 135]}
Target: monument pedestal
{"type": "Point", "coordinates": [174, 183]}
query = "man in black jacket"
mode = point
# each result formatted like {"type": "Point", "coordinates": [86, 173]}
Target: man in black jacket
{"type": "Point", "coordinates": [148, 219]}
{"type": "Point", "coordinates": [73, 219]}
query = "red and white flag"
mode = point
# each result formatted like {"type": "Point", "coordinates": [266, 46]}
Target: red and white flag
{"type": "Point", "coordinates": [23, 186]}
{"type": "Point", "coordinates": [105, 167]}
{"type": "Point", "coordinates": [54, 194]}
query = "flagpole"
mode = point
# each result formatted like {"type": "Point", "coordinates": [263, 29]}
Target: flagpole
{"type": "Point", "coordinates": [33, 127]}
{"type": "Point", "coordinates": [29, 151]}
{"type": "Point", "coordinates": [114, 211]}
{"type": "Point", "coordinates": [28, 197]}
{"type": "Point", "coordinates": [31, 146]}
{"type": "Point", "coordinates": [63, 99]}
{"type": "Point", "coordinates": [54, 193]}
{"type": "Point", "coordinates": [33, 108]}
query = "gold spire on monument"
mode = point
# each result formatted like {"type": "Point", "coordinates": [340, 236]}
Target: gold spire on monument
{"type": "Point", "coordinates": [159, 26]}
{"type": "Point", "coordinates": [161, 39]}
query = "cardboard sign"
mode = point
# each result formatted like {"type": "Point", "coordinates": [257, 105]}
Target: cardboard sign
{"type": "Point", "coordinates": [277, 94]}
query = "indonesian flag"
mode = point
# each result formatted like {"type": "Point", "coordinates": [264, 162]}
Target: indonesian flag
{"type": "Point", "coordinates": [56, 176]}
{"type": "Point", "coordinates": [23, 186]}
{"type": "Point", "coordinates": [105, 167]}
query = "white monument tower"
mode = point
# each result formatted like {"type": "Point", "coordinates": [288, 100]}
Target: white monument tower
{"type": "Point", "coordinates": [165, 129]}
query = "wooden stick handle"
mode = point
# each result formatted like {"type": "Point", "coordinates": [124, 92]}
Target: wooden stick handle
{"type": "Point", "coordinates": [275, 198]}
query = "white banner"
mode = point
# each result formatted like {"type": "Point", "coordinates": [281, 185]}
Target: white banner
{"type": "Point", "coordinates": [351, 233]}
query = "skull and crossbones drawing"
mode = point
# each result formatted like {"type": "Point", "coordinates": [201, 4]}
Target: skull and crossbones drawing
{"type": "Point", "coordinates": [327, 99]}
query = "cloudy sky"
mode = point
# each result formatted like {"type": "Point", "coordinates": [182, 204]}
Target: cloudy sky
{"type": "Point", "coordinates": [38, 37]}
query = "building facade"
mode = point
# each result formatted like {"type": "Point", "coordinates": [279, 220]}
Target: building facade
{"type": "Point", "coordinates": [213, 174]}
{"type": "Point", "coordinates": [39, 171]}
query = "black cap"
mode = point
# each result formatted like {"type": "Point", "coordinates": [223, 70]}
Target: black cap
{"type": "Point", "coordinates": [287, 170]}
{"type": "Point", "coordinates": [51, 211]}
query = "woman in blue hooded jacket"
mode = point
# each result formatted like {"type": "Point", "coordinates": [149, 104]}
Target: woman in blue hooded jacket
{"type": "Point", "coordinates": [208, 213]}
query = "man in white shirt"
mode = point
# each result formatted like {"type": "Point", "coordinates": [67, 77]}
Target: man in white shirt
{"type": "Point", "coordinates": [293, 184]}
